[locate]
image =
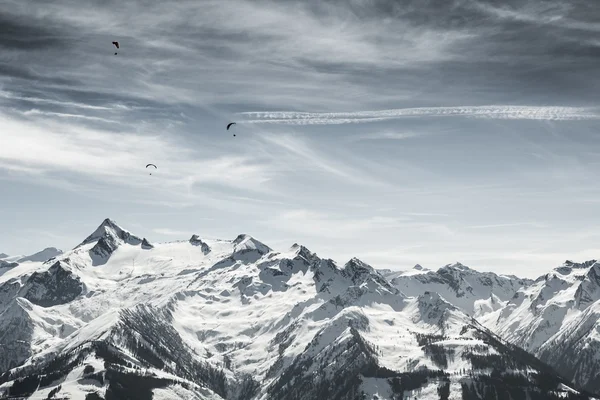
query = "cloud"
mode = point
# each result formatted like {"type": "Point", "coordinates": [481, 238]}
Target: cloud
{"type": "Point", "coordinates": [551, 13]}
{"type": "Point", "coordinates": [307, 157]}
{"type": "Point", "coordinates": [119, 157]}
{"type": "Point", "coordinates": [212, 53]}
{"type": "Point", "coordinates": [327, 225]}
{"type": "Point", "coordinates": [170, 232]}
{"type": "Point", "coordinates": [298, 147]}
{"type": "Point", "coordinates": [509, 225]}
{"type": "Point", "coordinates": [65, 115]}
{"type": "Point", "coordinates": [385, 135]}
{"type": "Point", "coordinates": [13, 97]}
{"type": "Point", "coordinates": [22, 33]}
{"type": "Point", "coordinates": [306, 222]}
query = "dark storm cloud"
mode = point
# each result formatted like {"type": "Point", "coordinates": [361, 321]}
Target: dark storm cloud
{"type": "Point", "coordinates": [319, 54]}
{"type": "Point", "coordinates": [25, 72]}
{"type": "Point", "coordinates": [23, 33]}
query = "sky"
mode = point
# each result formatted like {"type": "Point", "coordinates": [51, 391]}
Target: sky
{"type": "Point", "coordinates": [399, 132]}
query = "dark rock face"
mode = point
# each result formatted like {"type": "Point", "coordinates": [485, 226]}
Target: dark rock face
{"type": "Point", "coordinates": [575, 354]}
{"type": "Point", "coordinates": [8, 291]}
{"type": "Point", "coordinates": [16, 331]}
{"type": "Point", "coordinates": [196, 241]}
{"type": "Point", "coordinates": [146, 245]}
{"type": "Point", "coordinates": [58, 285]}
{"type": "Point", "coordinates": [104, 247]}
{"type": "Point", "coordinates": [107, 237]}
{"type": "Point", "coordinates": [359, 272]}
{"type": "Point", "coordinates": [588, 290]}
{"type": "Point", "coordinates": [7, 265]}
{"type": "Point", "coordinates": [433, 308]}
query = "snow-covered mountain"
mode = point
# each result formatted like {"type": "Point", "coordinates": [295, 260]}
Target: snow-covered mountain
{"type": "Point", "coordinates": [475, 293]}
{"type": "Point", "coordinates": [9, 262]}
{"type": "Point", "coordinates": [119, 317]}
{"type": "Point", "coordinates": [10, 258]}
{"type": "Point", "coordinates": [6, 265]}
{"type": "Point", "coordinates": [557, 318]}
{"type": "Point", "coordinates": [46, 254]}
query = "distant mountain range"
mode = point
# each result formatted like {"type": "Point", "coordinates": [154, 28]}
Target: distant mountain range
{"type": "Point", "coordinates": [40, 256]}
{"type": "Point", "coordinates": [120, 317]}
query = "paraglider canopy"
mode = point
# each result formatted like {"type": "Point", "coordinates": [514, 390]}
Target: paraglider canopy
{"type": "Point", "coordinates": [149, 165]}
{"type": "Point", "coordinates": [229, 126]}
{"type": "Point", "coordinates": [117, 45]}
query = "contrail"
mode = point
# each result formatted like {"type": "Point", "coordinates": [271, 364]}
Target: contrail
{"type": "Point", "coordinates": [314, 121]}
{"type": "Point", "coordinates": [492, 112]}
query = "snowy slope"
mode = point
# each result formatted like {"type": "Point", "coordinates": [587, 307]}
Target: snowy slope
{"type": "Point", "coordinates": [120, 317]}
{"type": "Point", "coordinates": [558, 319]}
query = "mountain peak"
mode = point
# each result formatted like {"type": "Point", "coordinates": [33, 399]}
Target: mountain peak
{"type": "Point", "coordinates": [433, 299]}
{"type": "Point", "coordinates": [244, 242]}
{"type": "Point", "coordinates": [108, 227]}
{"type": "Point", "coordinates": [458, 266]}
{"type": "Point", "coordinates": [359, 272]}
{"type": "Point", "coordinates": [107, 238]}
{"type": "Point", "coordinates": [303, 252]}
{"type": "Point", "coordinates": [457, 271]}
{"type": "Point", "coordinates": [585, 264]}
{"type": "Point", "coordinates": [196, 241]}
{"type": "Point", "coordinates": [432, 307]}
{"type": "Point", "coordinates": [588, 290]}
{"type": "Point", "coordinates": [241, 237]}
{"type": "Point", "coordinates": [3, 255]}
{"type": "Point", "coordinates": [356, 264]}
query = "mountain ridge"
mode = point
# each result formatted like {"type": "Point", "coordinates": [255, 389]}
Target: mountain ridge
{"type": "Point", "coordinates": [233, 319]}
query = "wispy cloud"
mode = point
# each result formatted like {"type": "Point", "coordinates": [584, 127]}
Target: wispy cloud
{"type": "Point", "coordinates": [308, 157]}
{"type": "Point", "coordinates": [67, 104]}
{"type": "Point", "coordinates": [509, 225]}
{"type": "Point", "coordinates": [328, 225]}
{"type": "Point", "coordinates": [117, 156]}
{"type": "Point", "coordinates": [306, 222]}
{"type": "Point", "coordinates": [551, 13]}
{"type": "Point", "coordinates": [170, 232]}
{"type": "Point", "coordinates": [385, 135]}
{"type": "Point", "coordinates": [67, 115]}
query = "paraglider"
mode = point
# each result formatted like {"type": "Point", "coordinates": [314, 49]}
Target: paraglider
{"type": "Point", "coordinates": [117, 46]}
{"type": "Point", "coordinates": [152, 166]}
{"type": "Point", "coordinates": [229, 126]}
